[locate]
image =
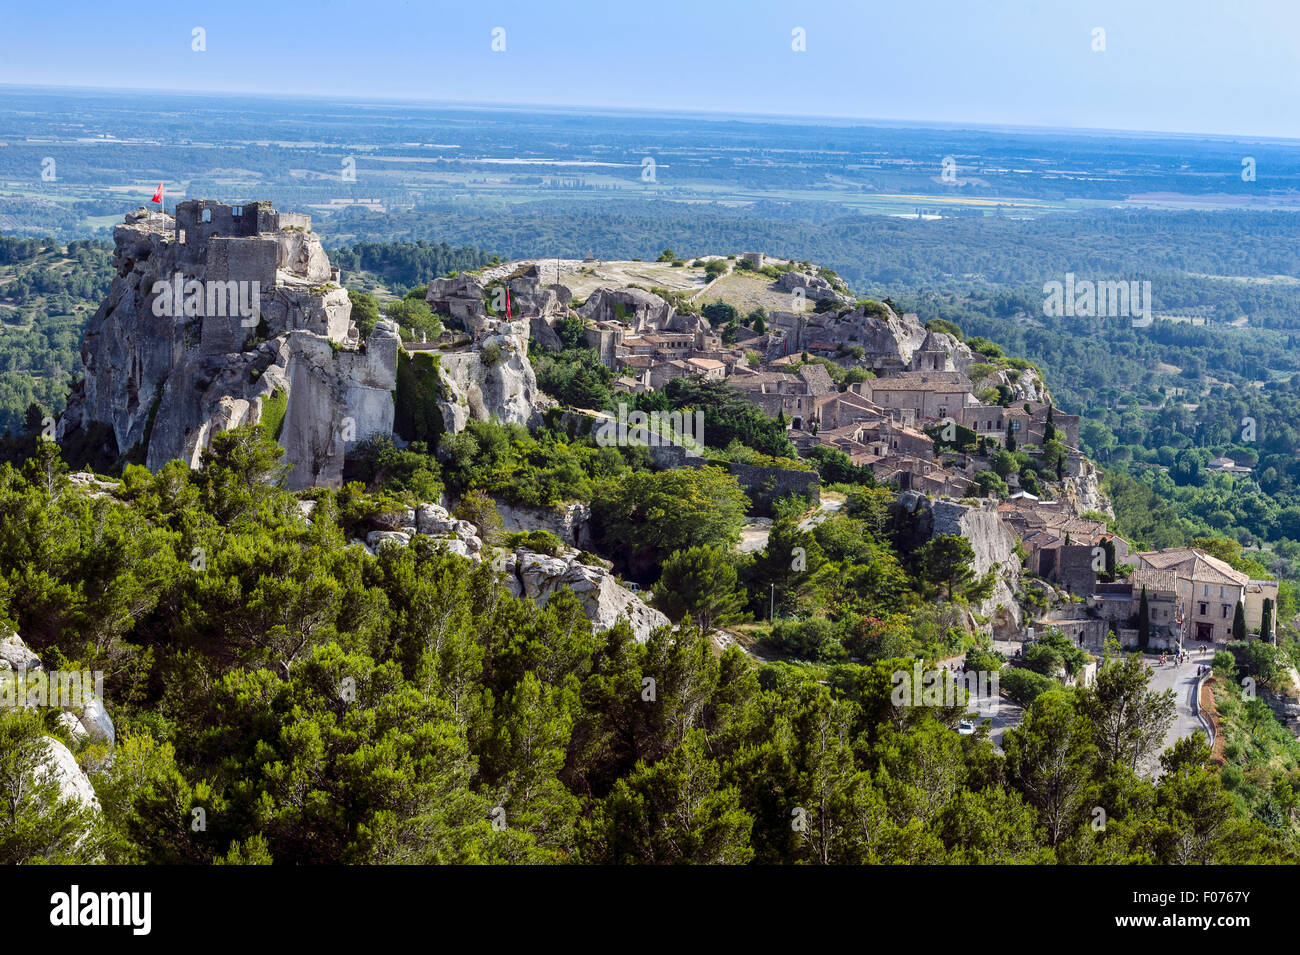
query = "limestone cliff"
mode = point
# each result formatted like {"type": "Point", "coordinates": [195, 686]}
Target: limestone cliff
{"type": "Point", "coordinates": [212, 315]}
{"type": "Point", "coordinates": [493, 379]}
{"type": "Point", "coordinates": [993, 543]}
{"type": "Point", "coordinates": [603, 599]}
{"type": "Point", "coordinates": [1083, 493]}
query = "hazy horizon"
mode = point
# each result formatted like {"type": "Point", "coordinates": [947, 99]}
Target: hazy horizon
{"type": "Point", "coordinates": [628, 111]}
{"type": "Point", "coordinates": [1171, 68]}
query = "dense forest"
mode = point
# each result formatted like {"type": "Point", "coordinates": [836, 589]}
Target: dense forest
{"type": "Point", "coordinates": [312, 703]}
{"type": "Point", "coordinates": [881, 254]}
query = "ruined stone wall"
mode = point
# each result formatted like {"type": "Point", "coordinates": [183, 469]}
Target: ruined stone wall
{"type": "Point", "coordinates": [169, 382]}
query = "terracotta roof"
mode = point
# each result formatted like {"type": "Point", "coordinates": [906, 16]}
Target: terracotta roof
{"type": "Point", "coordinates": [913, 384]}
{"type": "Point", "coordinates": [1165, 580]}
{"type": "Point", "coordinates": [1194, 564]}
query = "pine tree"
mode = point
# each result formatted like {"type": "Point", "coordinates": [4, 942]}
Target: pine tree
{"type": "Point", "coordinates": [1239, 623]}
{"type": "Point", "coordinates": [1266, 621]}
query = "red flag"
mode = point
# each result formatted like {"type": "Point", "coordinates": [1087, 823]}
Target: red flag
{"type": "Point", "coordinates": [507, 305]}
{"type": "Point", "coordinates": [157, 195]}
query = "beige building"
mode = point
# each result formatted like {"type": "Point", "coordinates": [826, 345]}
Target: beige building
{"type": "Point", "coordinates": [1209, 591]}
{"type": "Point", "coordinates": [930, 396]}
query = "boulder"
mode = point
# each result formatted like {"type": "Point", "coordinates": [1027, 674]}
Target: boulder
{"type": "Point", "coordinates": [96, 722]}
{"type": "Point", "coordinates": [378, 539]}
{"type": "Point", "coordinates": [61, 766]}
{"type": "Point", "coordinates": [15, 655]}
{"type": "Point", "coordinates": [433, 519]}
{"type": "Point", "coordinates": [603, 599]}
{"type": "Point", "coordinates": [453, 546]}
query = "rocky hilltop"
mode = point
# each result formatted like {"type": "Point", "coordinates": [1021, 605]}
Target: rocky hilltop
{"type": "Point", "coordinates": [225, 315]}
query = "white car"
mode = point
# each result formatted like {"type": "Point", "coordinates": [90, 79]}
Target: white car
{"type": "Point", "coordinates": [966, 728]}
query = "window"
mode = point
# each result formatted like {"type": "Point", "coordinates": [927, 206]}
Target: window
{"type": "Point", "coordinates": [1223, 592]}
{"type": "Point", "coordinates": [1205, 608]}
{"type": "Point", "coordinates": [236, 211]}
{"type": "Point", "coordinates": [1225, 611]}
{"type": "Point", "coordinates": [1205, 590]}
{"type": "Point", "coordinates": [207, 215]}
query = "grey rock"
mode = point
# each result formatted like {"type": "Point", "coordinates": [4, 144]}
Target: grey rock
{"type": "Point", "coordinates": [61, 766]}
{"type": "Point", "coordinates": [184, 378]}
{"type": "Point", "coordinates": [571, 522]}
{"type": "Point", "coordinates": [377, 539]}
{"type": "Point", "coordinates": [15, 654]}
{"type": "Point", "coordinates": [604, 601]}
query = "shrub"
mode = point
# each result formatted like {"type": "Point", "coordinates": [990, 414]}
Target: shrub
{"type": "Point", "coordinates": [1025, 686]}
{"type": "Point", "coordinates": [813, 639]}
{"type": "Point", "coordinates": [539, 541]}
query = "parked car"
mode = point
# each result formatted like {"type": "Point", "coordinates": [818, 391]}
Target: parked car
{"type": "Point", "coordinates": [966, 728]}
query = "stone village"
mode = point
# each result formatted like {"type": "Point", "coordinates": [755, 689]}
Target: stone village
{"type": "Point", "coordinates": [926, 414]}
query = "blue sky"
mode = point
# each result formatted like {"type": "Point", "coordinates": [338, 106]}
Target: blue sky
{"type": "Point", "coordinates": [1230, 67]}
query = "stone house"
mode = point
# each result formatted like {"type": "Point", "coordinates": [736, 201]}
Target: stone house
{"type": "Point", "coordinates": [1209, 591]}
{"type": "Point", "coordinates": [929, 396]}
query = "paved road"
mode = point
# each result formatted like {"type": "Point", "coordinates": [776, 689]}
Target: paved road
{"type": "Point", "coordinates": [1181, 678]}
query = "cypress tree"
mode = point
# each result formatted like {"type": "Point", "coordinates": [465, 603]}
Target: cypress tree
{"type": "Point", "coordinates": [1144, 620]}
{"type": "Point", "coordinates": [1239, 623]}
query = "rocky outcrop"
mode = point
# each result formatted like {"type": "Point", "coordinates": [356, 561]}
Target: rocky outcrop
{"type": "Point", "coordinates": [84, 717]}
{"type": "Point", "coordinates": [891, 342]}
{"type": "Point", "coordinates": [603, 599]}
{"type": "Point", "coordinates": [993, 543]}
{"type": "Point", "coordinates": [336, 397]}
{"type": "Point", "coordinates": [493, 381]}
{"type": "Point", "coordinates": [88, 720]}
{"type": "Point", "coordinates": [217, 316]}
{"type": "Point", "coordinates": [1083, 493]}
{"type": "Point", "coordinates": [399, 528]}
{"type": "Point", "coordinates": [569, 522]}
{"type": "Point", "coordinates": [527, 573]}
{"type": "Point", "coordinates": [812, 287]}
{"type": "Point", "coordinates": [15, 655]}
{"type": "Point", "coordinates": [460, 298]}
{"type": "Point", "coordinates": [61, 766]}
{"type": "Point", "coordinates": [465, 298]}
{"type": "Point", "coordinates": [494, 378]}
{"type": "Point", "coordinates": [643, 310]}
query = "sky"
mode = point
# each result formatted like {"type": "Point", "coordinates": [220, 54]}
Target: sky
{"type": "Point", "coordinates": [1228, 67]}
